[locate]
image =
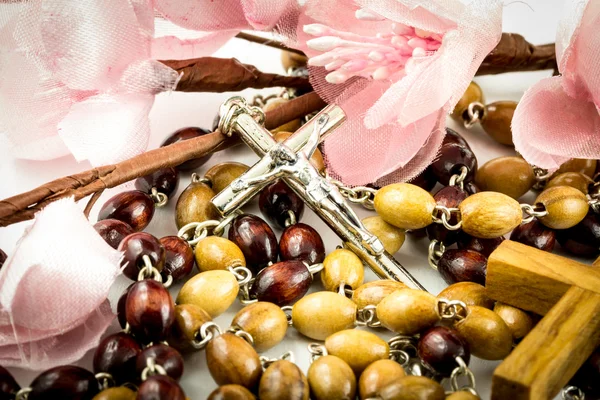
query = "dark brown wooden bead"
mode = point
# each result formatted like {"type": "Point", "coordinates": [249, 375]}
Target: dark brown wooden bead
{"type": "Point", "coordinates": [451, 158]}
{"type": "Point", "coordinates": [276, 200]}
{"type": "Point", "coordinates": [3, 257]}
{"type": "Point", "coordinates": [116, 354]}
{"type": "Point", "coordinates": [587, 377]}
{"type": "Point", "coordinates": [231, 392]}
{"type": "Point", "coordinates": [185, 134]}
{"type": "Point", "coordinates": [282, 283]}
{"type": "Point", "coordinates": [483, 246]}
{"type": "Point", "coordinates": [535, 234]}
{"type": "Point", "coordinates": [451, 197]}
{"type": "Point", "coordinates": [425, 180]}
{"type": "Point", "coordinates": [302, 243]}
{"type": "Point", "coordinates": [454, 137]}
{"type": "Point", "coordinates": [471, 188]}
{"type": "Point", "coordinates": [179, 260]}
{"type": "Point", "coordinates": [149, 311]}
{"type": "Point", "coordinates": [135, 247]}
{"type": "Point", "coordinates": [164, 180]}
{"type": "Point", "coordinates": [584, 238]}
{"type": "Point", "coordinates": [256, 240]}
{"type": "Point", "coordinates": [283, 380]}
{"type": "Point", "coordinates": [438, 348]}
{"type": "Point", "coordinates": [8, 385]}
{"type": "Point", "coordinates": [64, 382]}
{"type": "Point", "coordinates": [121, 309]}
{"type": "Point", "coordinates": [160, 387]}
{"type": "Point", "coordinates": [134, 207]}
{"type": "Point", "coordinates": [231, 359]}
{"type": "Point", "coordinates": [460, 265]}
{"type": "Point", "coordinates": [113, 231]}
{"type": "Point", "coordinates": [163, 355]}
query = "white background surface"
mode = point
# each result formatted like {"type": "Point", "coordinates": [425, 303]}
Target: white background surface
{"type": "Point", "coordinates": [535, 19]}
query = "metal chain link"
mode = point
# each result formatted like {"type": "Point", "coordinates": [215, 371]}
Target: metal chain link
{"type": "Point", "coordinates": [362, 195]}
{"type": "Point", "coordinates": [451, 310]}
{"type": "Point", "coordinates": [105, 380]}
{"type": "Point", "coordinates": [476, 112]}
{"type": "Point", "coordinates": [194, 232]}
{"type": "Point", "coordinates": [23, 394]}
{"type": "Point", "coordinates": [443, 215]}
{"type": "Point", "coordinates": [266, 361]}
{"type": "Point", "coordinates": [316, 350]}
{"type": "Point", "coordinates": [402, 349]}
{"type": "Point", "coordinates": [239, 332]}
{"type": "Point", "coordinates": [435, 252]}
{"type": "Point", "coordinates": [459, 179]}
{"type": "Point", "coordinates": [367, 316]}
{"type": "Point", "coordinates": [160, 199]}
{"type": "Point", "coordinates": [148, 271]}
{"type": "Point", "coordinates": [287, 310]}
{"type": "Point", "coordinates": [152, 368]}
{"type": "Point", "coordinates": [245, 280]}
{"type": "Point", "coordinates": [572, 393]}
{"type": "Point", "coordinates": [462, 371]}
{"type": "Point", "coordinates": [536, 211]}
{"type": "Point", "coordinates": [207, 331]}
{"type": "Point", "coordinates": [541, 177]}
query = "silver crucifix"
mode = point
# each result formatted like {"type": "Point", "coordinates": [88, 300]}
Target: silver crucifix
{"type": "Point", "coordinates": [290, 161]}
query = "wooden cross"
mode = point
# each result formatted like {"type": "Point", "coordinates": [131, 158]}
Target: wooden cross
{"type": "Point", "coordinates": [568, 294]}
{"type": "Point", "coordinates": [290, 161]}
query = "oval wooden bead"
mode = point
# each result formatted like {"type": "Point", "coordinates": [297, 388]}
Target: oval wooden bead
{"type": "Point", "coordinates": [408, 311]}
{"type": "Point", "coordinates": [133, 207]}
{"type": "Point", "coordinates": [535, 234]}
{"type": "Point", "coordinates": [566, 207]}
{"type": "Point", "coordinates": [282, 283]}
{"type": "Point", "coordinates": [462, 395]}
{"type": "Point", "coordinates": [426, 180]}
{"type": "Point", "coordinates": [116, 355]}
{"type": "Point", "coordinates": [163, 355]}
{"type": "Point", "coordinates": [113, 231]}
{"type": "Point", "coordinates": [283, 380]}
{"type": "Point", "coordinates": [185, 134]}
{"type": "Point", "coordinates": [460, 265]}
{"type": "Point", "coordinates": [137, 245]}
{"type": "Point", "coordinates": [583, 166]}
{"type": "Point", "coordinates": [221, 175]}
{"type": "Point", "coordinates": [391, 237]}
{"type": "Point", "coordinates": [450, 160]}
{"type": "Point", "coordinates": [321, 314]}
{"type": "Point", "coordinates": [438, 348]}
{"type": "Point", "coordinates": [377, 376]}
{"type": "Point", "coordinates": [413, 388]}
{"type": "Point", "coordinates": [511, 176]}
{"type": "Point", "coordinates": [160, 387]}
{"type": "Point", "coordinates": [8, 385]}
{"type": "Point", "coordinates": [575, 180]}
{"type": "Point", "coordinates": [518, 321]}
{"type": "Point", "coordinates": [276, 200]}
{"type": "Point", "coordinates": [265, 322]}
{"type": "Point", "coordinates": [116, 393]}
{"type": "Point", "coordinates": [231, 359]}
{"type": "Point", "coordinates": [303, 243]}
{"type": "Point", "coordinates": [213, 291]}
{"type": "Point", "coordinates": [164, 180]}
{"type": "Point", "coordinates": [149, 311]}
{"type": "Point", "coordinates": [497, 120]}
{"type": "Point", "coordinates": [342, 266]}
{"type": "Point", "coordinates": [472, 94]}
{"type": "Point", "coordinates": [64, 382]}
{"type": "Point", "coordinates": [188, 320]}
{"type": "Point", "coordinates": [316, 159]}
{"type": "Point", "coordinates": [404, 205]}
{"type": "Point", "coordinates": [256, 240]}
{"type": "Point", "coordinates": [584, 238]}
{"type": "Point", "coordinates": [371, 293]}
{"type": "Point", "coordinates": [194, 205]}
{"type": "Point", "coordinates": [470, 293]}
{"type": "Point", "coordinates": [291, 126]}
{"type": "Point", "coordinates": [215, 252]}
{"type": "Point", "coordinates": [357, 348]}
{"type": "Point", "coordinates": [331, 378]}
{"type": "Point", "coordinates": [231, 392]}
{"type": "Point", "coordinates": [483, 246]}
{"type": "Point", "coordinates": [486, 333]}
{"type": "Point", "coordinates": [179, 260]}
{"type": "Point", "coordinates": [489, 215]}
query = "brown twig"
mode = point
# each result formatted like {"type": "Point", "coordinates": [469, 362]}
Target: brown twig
{"type": "Point", "coordinates": [24, 206]}
{"type": "Point", "coordinates": [267, 42]}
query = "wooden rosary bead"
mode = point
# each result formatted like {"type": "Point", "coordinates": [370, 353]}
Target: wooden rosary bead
{"type": "Point", "coordinates": [511, 176]}
{"type": "Point", "coordinates": [535, 234]}
{"type": "Point", "coordinates": [498, 118]}
{"type": "Point", "coordinates": [213, 291]}
{"type": "Point", "coordinates": [293, 60]}
{"type": "Point", "coordinates": [518, 321]}
{"type": "Point", "coordinates": [587, 377]}
{"type": "Point", "coordinates": [164, 180]}
{"type": "Point", "coordinates": [135, 247]}
{"type": "Point", "coordinates": [404, 205]}
{"type": "Point", "coordinates": [256, 240]}
{"type": "Point", "coordinates": [342, 266]}
{"type": "Point", "coordinates": [584, 238]}
{"type": "Point", "coordinates": [321, 314]}
{"type": "Point", "coordinates": [470, 293]}
{"type": "Point", "coordinates": [489, 215]}
{"type": "Point", "coordinates": [193, 205]}
{"type": "Point", "coordinates": [113, 231]}
{"type": "Point", "coordinates": [413, 388]}
{"type": "Point", "coordinates": [265, 322]}
{"type": "Point", "coordinates": [462, 395]}
{"type": "Point", "coordinates": [116, 355]}
{"type": "Point", "coordinates": [283, 380]}
{"type": "Point", "coordinates": [317, 158]}
{"type": "Point", "coordinates": [583, 166]}
{"type": "Point", "coordinates": [8, 385]}
{"type": "Point", "coordinates": [149, 311]}
{"type": "Point", "coordinates": [451, 197]}
{"type": "Point", "coordinates": [463, 265]}
{"type": "Point", "coordinates": [185, 134]}
{"type": "Point", "coordinates": [232, 360]}
{"type": "Point", "coordinates": [133, 207]}
{"type": "Point", "coordinates": [391, 237]}
{"type": "Point", "coordinates": [302, 243]}
{"type": "Point", "coordinates": [377, 376]}
{"type": "Point", "coordinates": [163, 355]}
{"type": "Point", "coordinates": [282, 283]}
{"type": "Point", "coordinates": [215, 252]}
{"type": "Point", "coordinates": [221, 175]}
{"type": "Point", "coordinates": [179, 260]}
{"type": "Point", "coordinates": [160, 387]}
{"type": "Point", "coordinates": [291, 126]}
{"type": "Point", "coordinates": [486, 333]}
{"type": "Point", "coordinates": [64, 382]}
{"type": "Point", "coordinates": [331, 378]}
{"type": "Point", "coordinates": [121, 309]}
{"type": "Point", "coordinates": [371, 293]}
{"type": "Point", "coordinates": [575, 180]}
{"type": "Point", "coordinates": [188, 320]}
{"type": "Point", "coordinates": [116, 393]}
{"type": "Point", "coordinates": [438, 348]}
{"type": "Point", "coordinates": [483, 246]}
{"type": "Point", "coordinates": [452, 157]}
{"type": "Point", "coordinates": [472, 94]}
{"type": "Point", "coordinates": [454, 137]}
{"type": "Point", "coordinates": [277, 200]}
{"type": "Point", "coordinates": [231, 392]}
{"type": "Point", "coordinates": [408, 311]}
{"type": "Point", "coordinates": [357, 348]}
{"type": "Point", "coordinates": [566, 207]}
{"type": "Point", "coordinates": [425, 180]}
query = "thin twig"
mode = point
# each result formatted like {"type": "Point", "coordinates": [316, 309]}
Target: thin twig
{"type": "Point", "coordinates": [267, 42]}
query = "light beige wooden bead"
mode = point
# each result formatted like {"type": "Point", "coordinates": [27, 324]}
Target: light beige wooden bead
{"type": "Point", "coordinates": [470, 293]}
{"type": "Point", "coordinates": [213, 291]}
{"type": "Point", "coordinates": [391, 237]}
{"type": "Point", "coordinates": [283, 380]}
{"type": "Point", "coordinates": [221, 175]}
{"type": "Point", "coordinates": [462, 395]}
{"type": "Point", "coordinates": [408, 311]}
{"type": "Point", "coordinates": [518, 321]}
{"type": "Point", "coordinates": [266, 323]}
{"type": "Point", "coordinates": [358, 348]}
{"type": "Point", "coordinates": [377, 376]}
{"type": "Point", "coordinates": [575, 180]}
{"type": "Point", "coordinates": [371, 293]}
{"type": "Point", "coordinates": [291, 126]}
{"type": "Point", "coordinates": [316, 159]}
{"type": "Point", "coordinates": [321, 314]}
{"type": "Point", "coordinates": [471, 95]}
{"type": "Point", "coordinates": [342, 266]}
{"type": "Point", "coordinates": [566, 207]}
{"type": "Point", "coordinates": [404, 205]}
{"type": "Point", "coordinates": [331, 378]}
{"type": "Point", "coordinates": [413, 388]}
{"type": "Point", "coordinates": [215, 252]}
{"type": "Point", "coordinates": [488, 215]}
{"type": "Point", "coordinates": [193, 204]}
{"type": "Point", "coordinates": [511, 176]}
{"type": "Point", "coordinates": [486, 333]}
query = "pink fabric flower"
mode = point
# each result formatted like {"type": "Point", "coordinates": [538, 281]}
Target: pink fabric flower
{"type": "Point", "coordinates": [397, 68]}
{"type": "Point", "coordinates": [558, 118]}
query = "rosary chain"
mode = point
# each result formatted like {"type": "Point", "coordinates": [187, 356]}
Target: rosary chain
{"type": "Point", "coordinates": [476, 112]}
{"type": "Point", "coordinates": [152, 368]}
{"type": "Point", "coordinates": [452, 310]}
{"type": "Point", "coordinates": [266, 361]}
{"type": "Point", "coordinates": [316, 350]}
{"type": "Point", "coordinates": [207, 331]}
{"type": "Point", "coordinates": [459, 179]}
{"type": "Point", "coordinates": [362, 195]}
{"type": "Point", "coordinates": [573, 393]}
{"type": "Point", "coordinates": [367, 316]}
{"type": "Point", "coordinates": [443, 215]}
{"type": "Point", "coordinates": [462, 371]}
{"type": "Point", "coordinates": [435, 252]}
{"type": "Point", "coordinates": [535, 211]}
